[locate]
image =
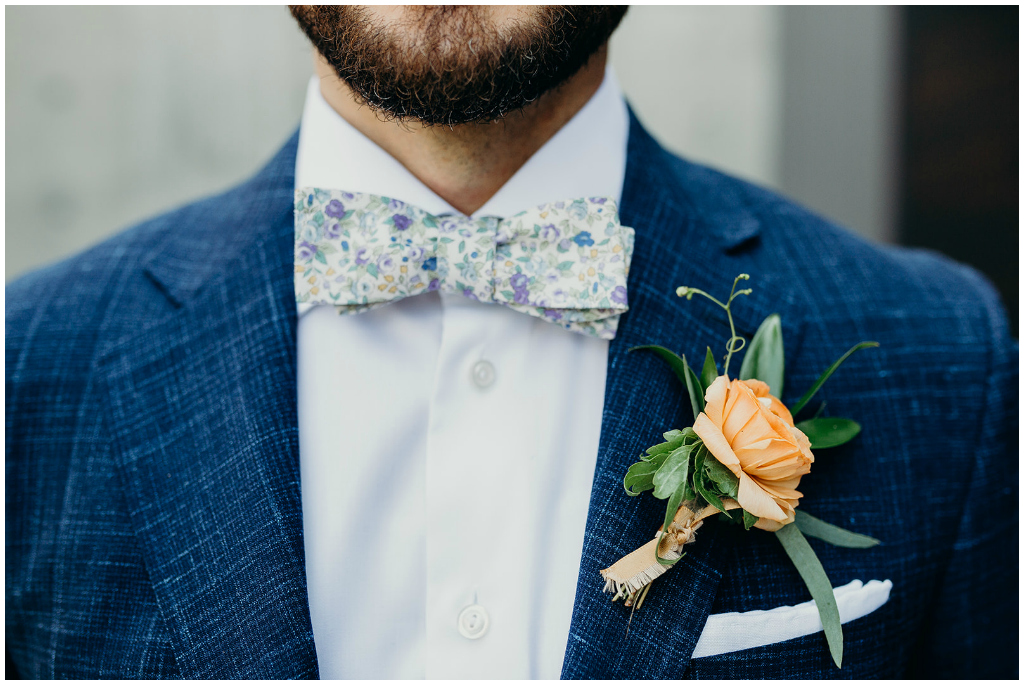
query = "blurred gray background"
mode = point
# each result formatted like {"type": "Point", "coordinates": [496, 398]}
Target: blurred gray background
{"type": "Point", "coordinates": [115, 114]}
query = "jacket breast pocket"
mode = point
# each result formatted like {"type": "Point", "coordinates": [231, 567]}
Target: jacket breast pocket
{"type": "Point", "coordinates": [788, 642]}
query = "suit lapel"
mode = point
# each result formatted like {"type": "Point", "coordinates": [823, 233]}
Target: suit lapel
{"type": "Point", "coordinates": [679, 241]}
{"type": "Point", "coordinates": [203, 421]}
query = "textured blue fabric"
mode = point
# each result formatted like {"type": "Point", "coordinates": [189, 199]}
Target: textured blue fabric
{"type": "Point", "coordinates": [153, 512]}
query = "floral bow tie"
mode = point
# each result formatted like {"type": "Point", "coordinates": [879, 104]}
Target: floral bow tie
{"type": "Point", "coordinates": [565, 262]}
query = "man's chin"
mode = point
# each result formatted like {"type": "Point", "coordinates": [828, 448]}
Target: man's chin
{"type": "Point", "coordinates": [455, 65]}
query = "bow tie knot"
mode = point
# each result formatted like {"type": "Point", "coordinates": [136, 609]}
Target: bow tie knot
{"type": "Point", "coordinates": [566, 262]}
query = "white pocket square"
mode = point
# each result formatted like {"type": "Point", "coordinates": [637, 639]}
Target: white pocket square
{"type": "Point", "coordinates": [734, 631]}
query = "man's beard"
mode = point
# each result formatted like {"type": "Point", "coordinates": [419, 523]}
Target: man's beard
{"type": "Point", "coordinates": [453, 67]}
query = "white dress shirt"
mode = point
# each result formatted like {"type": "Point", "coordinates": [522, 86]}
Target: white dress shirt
{"type": "Point", "coordinates": [448, 446]}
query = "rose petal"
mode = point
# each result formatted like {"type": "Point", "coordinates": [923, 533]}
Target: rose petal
{"type": "Point", "coordinates": [714, 399]}
{"type": "Point", "coordinates": [740, 409]}
{"type": "Point", "coordinates": [769, 525]}
{"type": "Point", "coordinates": [754, 499]}
{"type": "Point", "coordinates": [780, 410]}
{"type": "Point", "coordinates": [782, 470]}
{"type": "Point", "coordinates": [716, 443]}
{"type": "Point", "coordinates": [762, 391]}
{"type": "Point", "coordinates": [751, 432]}
{"type": "Point", "coordinates": [759, 388]}
{"type": "Point", "coordinates": [780, 491]}
{"type": "Point", "coordinates": [772, 453]}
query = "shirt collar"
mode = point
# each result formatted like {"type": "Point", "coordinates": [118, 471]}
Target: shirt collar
{"type": "Point", "coordinates": [585, 158]}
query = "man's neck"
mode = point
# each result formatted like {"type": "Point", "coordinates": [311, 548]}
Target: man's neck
{"type": "Point", "coordinates": [467, 164]}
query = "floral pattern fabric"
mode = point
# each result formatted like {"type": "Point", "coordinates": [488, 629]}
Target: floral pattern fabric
{"type": "Point", "coordinates": [565, 262]}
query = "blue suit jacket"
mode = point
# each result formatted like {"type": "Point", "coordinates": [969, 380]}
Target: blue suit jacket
{"type": "Point", "coordinates": [153, 512]}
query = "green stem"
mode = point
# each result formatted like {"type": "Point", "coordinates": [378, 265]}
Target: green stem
{"type": "Point", "coordinates": [730, 346]}
{"type": "Point", "coordinates": [735, 342]}
{"type": "Point", "coordinates": [688, 292]}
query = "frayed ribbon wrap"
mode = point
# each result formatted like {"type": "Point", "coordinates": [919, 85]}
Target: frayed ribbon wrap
{"type": "Point", "coordinates": [638, 569]}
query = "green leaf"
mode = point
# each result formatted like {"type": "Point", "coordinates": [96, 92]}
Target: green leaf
{"type": "Point", "coordinates": [673, 473]}
{"type": "Point", "coordinates": [727, 482]}
{"type": "Point", "coordinates": [682, 371]}
{"type": "Point", "coordinates": [689, 494]}
{"type": "Point", "coordinates": [834, 535]}
{"type": "Point", "coordinates": [817, 582]}
{"type": "Point", "coordinates": [682, 433]}
{"type": "Point", "coordinates": [657, 459]}
{"type": "Point", "coordinates": [320, 257]}
{"type": "Point", "coordinates": [710, 372]}
{"type": "Point", "coordinates": [372, 270]}
{"type": "Point", "coordinates": [748, 519]}
{"type": "Point", "coordinates": [677, 363]}
{"type": "Point", "coordinates": [698, 479]}
{"type": "Point", "coordinates": [733, 516]}
{"type": "Point", "coordinates": [709, 497]}
{"type": "Point", "coordinates": [673, 439]}
{"type": "Point", "coordinates": [696, 391]}
{"type": "Point", "coordinates": [824, 377]}
{"type": "Point", "coordinates": [673, 506]}
{"type": "Point", "coordinates": [828, 432]}
{"type": "Point", "coordinates": [640, 477]}
{"type": "Point", "coordinates": [764, 359]}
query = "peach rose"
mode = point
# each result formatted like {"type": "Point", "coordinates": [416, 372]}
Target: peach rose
{"type": "Point", "coordinates": [752, 433]}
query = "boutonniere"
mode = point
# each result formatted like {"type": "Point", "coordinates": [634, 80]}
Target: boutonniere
{"type": "Point", "coordinates": [742, 459]}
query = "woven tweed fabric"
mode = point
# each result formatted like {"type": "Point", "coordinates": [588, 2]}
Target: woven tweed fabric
{"type": "Point", "coordinates": [153, 509]}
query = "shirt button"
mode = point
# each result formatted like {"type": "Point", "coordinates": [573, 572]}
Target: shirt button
{"type": "Point", "coordinates": [483, 374]}
{"type": "Point", "coordinates": [473, 622]}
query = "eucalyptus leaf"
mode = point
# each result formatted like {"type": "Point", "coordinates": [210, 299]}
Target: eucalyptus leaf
{"type": "Point", "coordinates": [829, 432]}
{"type": "Point", "coordinates": [677, 363]}
{"type": "Point", "coordinates": [817, 582]}
{"type": "Point", "coordinates": [834, 535]}
{"type": "Point", "coordinates": [693, 387]}
{"type": "Point", "coordinates": [765, 358]}
{"type": "Point", "coordinates": [681, 370]}
{"type": "Point", "coordinates": [727, 482]}
{"type": "Point", "coordinates": [710, 371]}
{"type": "Point", "coordinates": [673, 473]}
{"type": "Point", "coordinates": [802, 402]}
